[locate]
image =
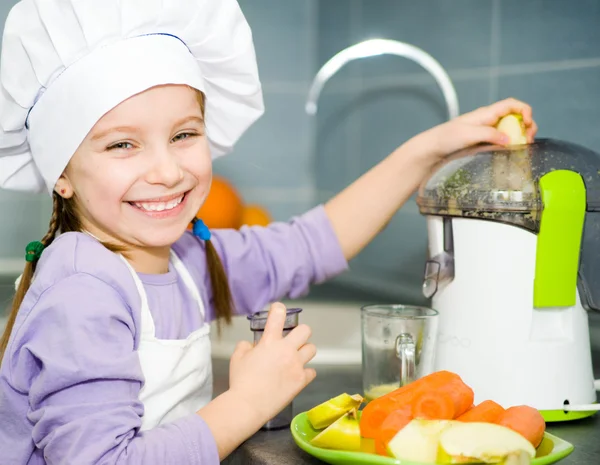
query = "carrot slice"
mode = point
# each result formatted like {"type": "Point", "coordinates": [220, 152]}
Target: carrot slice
{"type": "Point", "coordinates": [444, 403]}
{"type": "Point", "coordinates": [381, 448]}
{"type": "Point", "coordinates": [434, 406]}
{"type": "Point", "coordinates": [526, 421]}
{"type": "Point", "coordinates": [373, 415]}
{"type": "Point", "coordinates": [393, 423]}
{"type": "Point", "coordinates": [487, 411]}
{"type": "Point", "coordinates": [463, 396]}
{"type": "Point", "coordinates": [377, 410]}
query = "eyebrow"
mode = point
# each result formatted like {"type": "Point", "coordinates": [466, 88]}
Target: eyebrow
{"type": "Point", "coordinates": [102, 134]}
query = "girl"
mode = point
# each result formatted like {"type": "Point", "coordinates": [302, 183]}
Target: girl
{"type": "Point", "coordinates": [116, 108]}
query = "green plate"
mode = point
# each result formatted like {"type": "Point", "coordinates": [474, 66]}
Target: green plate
{"type": "Point", "coordinates": [551, 450]}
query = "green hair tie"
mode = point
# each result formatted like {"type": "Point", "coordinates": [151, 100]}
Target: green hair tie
{"type": "Point", "coordinates": [33, 251]}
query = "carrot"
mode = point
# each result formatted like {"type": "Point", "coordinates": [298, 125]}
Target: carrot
{"type": "Point", "coordinates": [444, 403]}
{"type": "Point", "coordinates": [434, 406]}
{"type": "Point", "coordinates": [471, 407]}
{"type": "Point", "coordinates": [373, 415]}
{"type": "Point", "coordinates": [526, 421]}
{"type": "Point", "coordinates": [463, 396]}
{"type": "Point", "coordinates": [487, 412]}
{"type": "Point", "coordinates": [393, 423]}
{"type": "Point", "coordinates": [381, 447]}
{"type": "Point", "coordinates": [376, 411]}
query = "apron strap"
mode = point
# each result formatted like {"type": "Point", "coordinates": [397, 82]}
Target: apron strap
{"type": "Point", "coordinates": [189, 283]}
{"type": "Point", "coordinates": [148, 329]}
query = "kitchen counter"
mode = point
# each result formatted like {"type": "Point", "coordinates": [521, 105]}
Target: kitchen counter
{"type": "Point", "coordinates": [279, 448]}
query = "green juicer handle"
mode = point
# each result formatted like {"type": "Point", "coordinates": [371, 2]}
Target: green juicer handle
{"type": "Point", "coordinates": [559, 239]}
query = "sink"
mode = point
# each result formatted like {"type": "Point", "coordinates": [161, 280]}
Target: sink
{"type": "Point", "coordinates": [335, 331]}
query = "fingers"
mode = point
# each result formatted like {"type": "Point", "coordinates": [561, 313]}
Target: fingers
{"type": "Point", "coordinates": [241, 349]}
{"type": "Point", "coordinates": [490, 114]}
{"type": "Point", "coordinates": [310, 374]}
{"type": "Point", "coordinates": [299, 336]}
{"type": "Point", "coordinates": [307, 352]}
{"type": "Point", "coordinates": [511, 105]}
{"type": "Point", "coordinates": [507, 106]}
{"type": "Point", "coordinates": [275, 323]}
{"type": "Point", "coordinates": [531, 132]}
{"type": "Point", "coordinates": [478, 134]}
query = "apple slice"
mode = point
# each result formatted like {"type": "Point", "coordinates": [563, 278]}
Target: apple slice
{"type": "Point", "coordinates": [418, 441]}
{"type": "Point", "coordinates": [517, 458]}
{"type": "Point", "coordinates": [512, 125]}
{"type": "Point", "coordinates": [367, 445]}
{"type": "Point", "coordinates": [342, 434]}
{"type": "Point", "coordinates": [482, 442]}
{"type": "Point", "coordinates": [513, 172]}
{"type": "Point", "coordinates": [326, 413]}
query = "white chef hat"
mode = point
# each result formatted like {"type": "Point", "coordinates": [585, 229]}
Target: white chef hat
{"type": "Point", "coordinates": [65, 63]}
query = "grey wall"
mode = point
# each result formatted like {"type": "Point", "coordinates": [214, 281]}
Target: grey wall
{"type": "Point", "coordinates": [22, 215]}
{"type": "Point", "coordinates": [544, 52]}
{"type": "Point", "coordinates": [272, 164]}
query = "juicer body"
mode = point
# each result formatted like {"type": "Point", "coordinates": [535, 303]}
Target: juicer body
{"type": "Point", "coordinates": [489, 331]}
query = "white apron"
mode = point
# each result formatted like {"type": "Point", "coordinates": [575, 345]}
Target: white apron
{"type": "Point", "coordinates": [178, 373]}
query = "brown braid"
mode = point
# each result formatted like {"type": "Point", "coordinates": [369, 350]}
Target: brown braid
{"type": "Point", "coordinates": [28, 273]}
{"type": "Point", "coordinates": [222, 298]}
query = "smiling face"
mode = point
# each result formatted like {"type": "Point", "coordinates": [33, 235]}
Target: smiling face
{"type": "Point", "coordinates": [143, 171]}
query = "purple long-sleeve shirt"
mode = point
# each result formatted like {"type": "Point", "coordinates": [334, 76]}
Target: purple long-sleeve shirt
{"type": "Point", "coordinates": [70, 378]}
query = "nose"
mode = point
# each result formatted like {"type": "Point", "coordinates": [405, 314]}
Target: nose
{"type": "Point", "coordinates": [165, 168]}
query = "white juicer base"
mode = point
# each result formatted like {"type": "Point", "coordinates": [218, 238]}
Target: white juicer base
{"type": "Point", "coordinates": [489, 332]}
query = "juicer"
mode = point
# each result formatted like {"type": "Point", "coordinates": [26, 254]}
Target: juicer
{"type": "Point", "coordinates": [513, 268]}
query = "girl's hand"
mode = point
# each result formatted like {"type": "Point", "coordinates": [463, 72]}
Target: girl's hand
{"type": "Point", "coordinates": [472, 128]}
{"type": "Point", "coordinates": [263, 379]}
{"type": "Point", "coordinates": [269, 375]}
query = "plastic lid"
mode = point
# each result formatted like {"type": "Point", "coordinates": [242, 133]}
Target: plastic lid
{"type": "Point", "coordinates": [258, 320]}
{"type": "Point", "coordinates": [501, 184]}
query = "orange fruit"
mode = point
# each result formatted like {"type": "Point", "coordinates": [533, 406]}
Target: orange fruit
{"type": "Point", "coordinates": [255, 215]}
{"type": "Point", "coordinates": [223, 206]}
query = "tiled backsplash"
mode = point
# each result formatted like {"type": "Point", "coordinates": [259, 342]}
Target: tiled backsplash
{"type": "Point", "coordinates": [272, 164]}
{"type": "Point", "coordinates": [22, 215]}
{"type": "Point", "coordinates": [545, 52]}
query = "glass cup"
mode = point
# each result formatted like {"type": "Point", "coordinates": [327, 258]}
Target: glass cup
{"type": "Point", "coordinates": [398, 346]}
{"type": "Point", "coordinates": [257, 325]}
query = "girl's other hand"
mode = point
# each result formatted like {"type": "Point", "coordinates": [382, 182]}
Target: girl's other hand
{"type": "Point", "coordinates": [269, 375]}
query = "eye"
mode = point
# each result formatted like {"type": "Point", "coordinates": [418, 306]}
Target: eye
{"type": "Point", "coordinates": [120, 146]}
{"type": "Point", "coordinates": [183, 136]}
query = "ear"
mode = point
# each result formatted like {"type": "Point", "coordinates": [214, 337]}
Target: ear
{"type": "Point", "coordinates": [64, 187]}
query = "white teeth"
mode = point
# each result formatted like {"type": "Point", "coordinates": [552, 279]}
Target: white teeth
{"type": "Point", "coordinates": [158, 206]}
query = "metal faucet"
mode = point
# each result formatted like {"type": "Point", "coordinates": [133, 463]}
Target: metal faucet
{"type": "Point", "coordinates": [375, 47]}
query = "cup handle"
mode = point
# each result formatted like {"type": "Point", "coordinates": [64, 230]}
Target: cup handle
{"type": "Point", "coordinates": [405, 351]}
